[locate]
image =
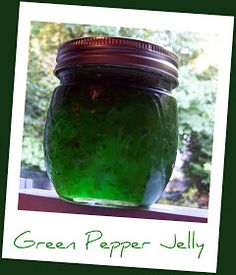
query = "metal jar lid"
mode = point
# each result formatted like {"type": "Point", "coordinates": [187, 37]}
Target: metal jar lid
{"type": "Point", "coordinates": [118, 51]}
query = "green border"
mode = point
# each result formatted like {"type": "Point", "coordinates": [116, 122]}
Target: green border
{"type": "Point", "coordinates": [9, 19]}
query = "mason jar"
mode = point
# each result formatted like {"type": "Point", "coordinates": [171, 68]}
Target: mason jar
{"type": "Point", "coordinates": [111, 132]}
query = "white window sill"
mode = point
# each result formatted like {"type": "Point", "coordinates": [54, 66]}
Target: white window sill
{"type": "Point", "coordinates": [48, 201]}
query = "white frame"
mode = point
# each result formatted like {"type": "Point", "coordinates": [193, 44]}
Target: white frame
{"type": "Point", "coordinates": [52, 226]}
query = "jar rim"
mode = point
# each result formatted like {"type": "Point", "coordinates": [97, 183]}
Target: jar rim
{"type": "Point", "coordinates": [116, 50]}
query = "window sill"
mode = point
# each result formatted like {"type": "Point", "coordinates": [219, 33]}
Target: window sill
{"type": "Point", "coordinates": [47, 201]}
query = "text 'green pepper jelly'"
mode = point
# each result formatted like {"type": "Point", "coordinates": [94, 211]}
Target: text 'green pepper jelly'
{"type": "Point", "coordinates": [111, 132]}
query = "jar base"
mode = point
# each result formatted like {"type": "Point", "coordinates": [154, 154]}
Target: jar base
{"type": "Point", "coordinates": [102, 203]}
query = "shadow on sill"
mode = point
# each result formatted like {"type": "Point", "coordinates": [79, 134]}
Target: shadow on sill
{"type": "Point", "coordinates": [49, 202]}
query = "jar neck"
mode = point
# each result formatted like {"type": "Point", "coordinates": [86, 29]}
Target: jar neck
{"type": "Point", "coordinates": [108, 75]}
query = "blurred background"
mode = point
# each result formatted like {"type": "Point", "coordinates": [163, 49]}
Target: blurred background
{"type": "Point", "coordinates": [196, 95]}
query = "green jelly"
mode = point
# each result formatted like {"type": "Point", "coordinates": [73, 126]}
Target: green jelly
{"type": "Point", "coordinates": [111, 132]}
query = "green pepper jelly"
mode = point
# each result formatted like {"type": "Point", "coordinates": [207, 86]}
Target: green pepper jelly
{"type": "Point", "coordinates": [111, 132]}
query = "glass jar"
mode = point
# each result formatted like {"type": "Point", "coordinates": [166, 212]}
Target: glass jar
{"type": "Point", "coordinates": [111, 132]}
